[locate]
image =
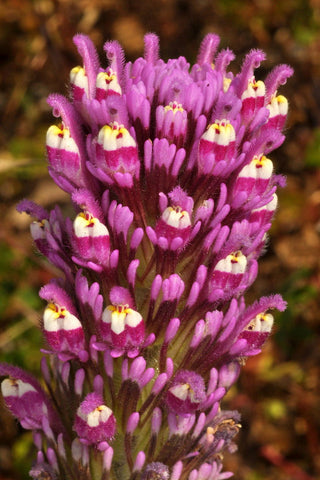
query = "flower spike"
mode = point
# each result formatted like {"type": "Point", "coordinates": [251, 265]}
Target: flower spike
{"type": "Point", "coordinates": [172, 190]}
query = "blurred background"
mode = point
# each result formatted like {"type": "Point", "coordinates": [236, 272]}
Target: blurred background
{"type": "Point", "coordinates": [278, 393]}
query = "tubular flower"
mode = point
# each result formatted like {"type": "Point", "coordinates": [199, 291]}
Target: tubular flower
{"type": "Point", "coordinates": [170, 175]}
{"type": "Point", "coordinates": [94, 421]}
{"type": "Point", "coordinates": [122, 327]}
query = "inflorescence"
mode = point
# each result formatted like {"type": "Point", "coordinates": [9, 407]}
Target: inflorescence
{"type": "Point", "coordinates": [146, 330]}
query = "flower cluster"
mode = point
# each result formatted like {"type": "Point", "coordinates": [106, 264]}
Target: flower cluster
{"type": "Point", "coordinates": [173, 190]}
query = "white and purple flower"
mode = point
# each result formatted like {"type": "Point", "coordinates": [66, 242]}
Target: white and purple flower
{"type": "Point", "coordinates": [170, 175]}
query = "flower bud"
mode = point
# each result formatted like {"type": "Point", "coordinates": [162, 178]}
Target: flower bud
{"type": "Point", "coordinates": [24, 402]}
{"type": "Point", "coordinates": [263, 215]}
{"type": "Point", "coordinates": [278, 108]}
{"type": "Point", "coordinates": [254, 178]}
{"type": "Point", "coordinates": [79, 83]}
{"type": "Point", "coordinates": [174, 225]}
{"type": "Point", "coordinates": [91, 238]}
{"type": "Point", "coordinates": [94, 422]}
{"type": "Point", "coordinates": [39, 231]}
{"type": "Point", "coordinates": [63, 154]}
{"type": "Point", "coordinates": [116, 151]}
{"type": "Point", "coordinates": [107, 84]}
{"type": "Point", "coordinates": [172, 123]}
{"type": "Point", "coordinates": [252, 98]}
{"type": "Point", "coordinates": [216, 144]}
{"type": "Point", "coordinates": [174, 222]}
{"type": "Point", "coordinates": [229, 271]}
{"type": "Point", "coordinates": [258, 330]}
{"type": "Point", "coordinates": [186, 393]}
{"type": "Point", "coordinates": [62, 330]}
{"type": "Point", "coordinates": [122, 327]}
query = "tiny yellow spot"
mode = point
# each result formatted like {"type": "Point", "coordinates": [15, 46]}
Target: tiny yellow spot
{"type": "Point", "coordinates": [77, 69]}
{"type": "Point", "coordinates": [108, 77]}
{"type": "Point", "coordinates": [174, 107]}
{"type": "Point", "coordinates": [101, 408]}
{"type": "Point", "coordinates": [256, 84]}
{"type": "Point", "coordinates": [235, 257]}
{"type": "Point", "coordinates": [260, 161]}
{"type": "Point", "coordinates": [88, 219]}
{"type": "Point", "coordinates": [281, 99]}
{"type": "Point", "coordinates": [226, 84]}
{"type": "Point", "coordinates": [58, 312]}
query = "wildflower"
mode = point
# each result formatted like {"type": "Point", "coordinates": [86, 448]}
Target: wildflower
{"type": "Point", "coordinates": [170, 174]}
{"type": "Point", "coordinates": [121, 326]}
{"type": "Point", "coordinates": [186, 393]}
{"type": "Point", "coordinates": [94, 421]}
